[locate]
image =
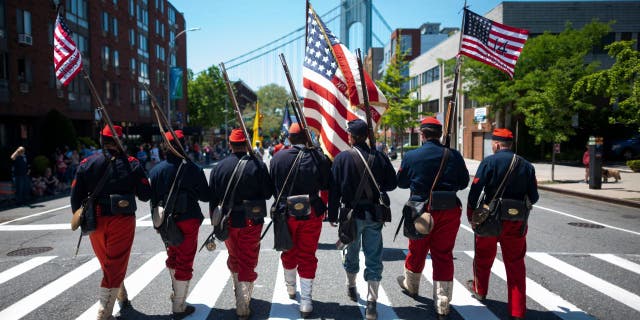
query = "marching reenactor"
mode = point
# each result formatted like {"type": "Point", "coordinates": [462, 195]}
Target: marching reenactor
{"type": "Point", "coordinates": [115, 213]}
{"type": "Point", "coordinates": [518, 193]}
{"type": "Point", "coordinates": [247, 211]}
{"type": "Point", "coordinates": [299, 173]}
{"type": "Point", "coordinates": [187, 214]}
{"type": "Point", "coordinates": [418, 171]}
{"type": "Point", "coordinates": [347, 171]}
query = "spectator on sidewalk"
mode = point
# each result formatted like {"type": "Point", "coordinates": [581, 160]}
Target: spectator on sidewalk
{"type": "Point", "coordinates": [21, 175]}
{"type": "Point", "coordinates": [585, 161]}
{"type": "Point", "coordinates": [51, 182]}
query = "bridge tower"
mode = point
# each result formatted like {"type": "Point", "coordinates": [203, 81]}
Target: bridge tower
{"type": "Point", "coordinates": [354, 11]}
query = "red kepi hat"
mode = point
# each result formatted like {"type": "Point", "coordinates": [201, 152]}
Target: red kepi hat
{"type": "Point", "coordinates": [502, 134]}
{"type": "Point", "coordinates": [295, 128]}
{"type": "Point", "coordinates": [237, 136]}
{"type": "Point", "coordinates": [430, 123]}
{"type": "Point", "coordinates": [178, 133]}
{"type": "Point", "coordinates": [106, 131]}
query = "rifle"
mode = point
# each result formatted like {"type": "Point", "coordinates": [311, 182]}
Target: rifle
{"type": "Point", "coordinates": [451, 108]}
{"type": "Point", "coordinates": [164, 125]}
{"type": "Point", "coordinates": [365, 96]}
{"type": "Point", "coordinates": [295, 104]}
{"type": "Point", "coordinates": [238, 113]}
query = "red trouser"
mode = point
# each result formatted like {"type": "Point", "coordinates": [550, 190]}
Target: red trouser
{"type": "Point", "coordinates": [111, 242]}
{"type": "Point", "coordinates": [514, 248]}
{"type": "Point", "coordinates": [181, 257]}
{"type": "Point", "coordinates": [243, 245]}
{"type": "Point", "coordinates": [305, 235]}
{"type": "Point", "coordinates": [440, 242]}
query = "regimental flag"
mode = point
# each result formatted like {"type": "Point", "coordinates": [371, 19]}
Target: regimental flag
{"type": "Point", "coordinates": [257, 123]}
{"type": "Point", "coordinates": [286, 122]}
{"type": "Point", "coordinates": [332, 88]}
{"type": "Point", "coordinates": [492, 43]}
{"type": "Point", "coordinates": [66, 56]}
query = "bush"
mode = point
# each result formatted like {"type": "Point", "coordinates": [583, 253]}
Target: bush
{"type": "Point", "coordinates": [40, 163]}
{"type": "Point", "coordinates": [634, 165]}
{"type": "Point", "coordinates": [409, 148]}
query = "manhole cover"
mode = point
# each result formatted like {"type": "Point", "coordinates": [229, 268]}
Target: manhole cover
{"type": "Point", "coordinates": [29, 251]}
{"type": "Point", "coordinates": [586, 225]}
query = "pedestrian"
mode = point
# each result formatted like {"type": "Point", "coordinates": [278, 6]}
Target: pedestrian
{"type": "Point", "coordinates": [155, 155]}
{"type": "Point", "coordinates": [115, 213]}
{"type": "Point", "coordinates": [418, 171]}
{"type": "Point", "coordinates": [519, 192]}
{"type": "Point", "coordinates": [187, 214]}
{"type": "Point", "coordinates": [347, 171]}
{"type": "Point", "coordinates": [300, 173]}
{"type": "Point", "coordinates": [21, 175]}
{"type": "Point", "coordinates": [585, 162]}
{"type": "Point", "coordinates": [247, 211]}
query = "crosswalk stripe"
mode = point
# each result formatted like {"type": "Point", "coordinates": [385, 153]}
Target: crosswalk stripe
{"type": "Point", "coordinates": [461, 301]}
{"type": "Point", "coordinates": [384, 308]}
{"type": "Point", "coordinates": [281, 306]}
{"type": "Point", "coordinates": [23, 267]}
{"type": "Point", "coordinates": [544, 297]}
{"type": "Point", "coordinates": [209, 288]}
{"type": "Point", "coordinates": [134, 283]}
{"type": "Point", "coordinates": [50, 291]}
{"type": "Point", "coordinates": [620, 262]}
{"type": "Point", "coordinates": [588, 279]}
{"type": "Point", "coordinates": [36, 214]}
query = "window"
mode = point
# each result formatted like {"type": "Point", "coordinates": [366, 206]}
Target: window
{"type": "Point", "coordinates": [625, 36]}
{"type": "Point", "coordinates": [115, 27]}
{"type": "Point", "coordinates": [143, 18]}
{"type": "Point", "coordinates": [115, 3]}
{"type": "Point", "coordinates": [116, 59]}
{"type": "Point", "coordinates": [115, 93]}
{"type": "Point", "coordinates": [105, 22]}
{"type": "Point", "coordinates": [172, 35]}
{"type": "Point", "coordinates": [24, 21]}
{"type": "Point", "coordinates": [24, 70]}
{"type": "Point", "coordinates": [105, 56]}
{"type": "Point", "coordinates": [133, 95]}
{"type": "Point", "coordinates": [77, 12]}
{"type": "Point", "coordinates": [144, 104]}
{"type": "Point", "coordinates": [143, 48]}
{"type": "Point", "coordinates": [132, 38]}
{"type": "Point", "coordinates": [160, 52]}
{"type": "Point", "coordinates": [144, 70]}
{"type": "Point", "coordinates": [173, 59]}
{"type": "Point", "coordinates": [2, 15]}
{"type": "Point", "coordinates": [405, 44]}
{"type": "Point", "coordinates": [3, 66]}
{"type": "Point", "coordinates": [107, 90]}
{"type": "Point", "coordinates": [81, 43]}
{"type": "Point", "coordinates": [132, 8]}
{"type": "Point", "coordinates": [132, 66]}
{"type": "Point", "coordinates": [172, 16]}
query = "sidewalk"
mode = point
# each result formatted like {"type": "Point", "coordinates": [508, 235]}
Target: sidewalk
{"type": "Point", "coordinates": [570, 180]}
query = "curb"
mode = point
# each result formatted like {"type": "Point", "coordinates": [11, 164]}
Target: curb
{"type": "Point", "coordinates": [623, 202]}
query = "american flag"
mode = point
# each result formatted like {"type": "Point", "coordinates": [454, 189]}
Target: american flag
{"type": "Point", "coordinates": [492, 43]}
{"type": "Point", "coordinates": [66, 56]}
{"type": "Point", "coordinates": [332, 88]}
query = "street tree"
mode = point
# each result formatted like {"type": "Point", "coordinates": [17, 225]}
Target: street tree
{"type": "Point", "coordinates": [620, 85]}
{"type": "Point", "coordinates": [272, 99]}
{"type": "Point", "coordinates": [207, 98]}
{"type": "Point", "coordinates": [549, 66]}
{"type": "Point", "coordinates": [402, 113]}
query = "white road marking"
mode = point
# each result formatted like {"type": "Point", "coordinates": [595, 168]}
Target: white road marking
{"type": "Point", "coordinates": [608, 289]}
{"type": "Point", "coordinates": [620, 262]}
{"type": "Point", "coordinates": [587, 220]}
{"type": "Point", "coordinates": [135, 282]}
{"type": "Point", "coordinates": [281, 306]}
{"type": "Point", "coordinates": [50, 291]}
{"type": "Point", "coordinates": [384, 307]}
{"type": "Point", "coordinates": [209, 288]}
{"type": "Point", "coordinates": [549, 300]}
{"type": "Point", "coordinates": [144, 217]}
{"type": "Point", "coordinates": [23, 267]}
{"type": "Point", "coordinates": [36, 214]}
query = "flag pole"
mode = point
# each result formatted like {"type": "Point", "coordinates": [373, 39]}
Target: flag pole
{"type": "Point", "coordinates": [238, 114]}
{"type": "Point", "coordinates": [297, 109]}
{"type": "Point", "coordinates": [365, 97]}
{"type": "Point", "coordinates": [451, 106]}
{"type": "Point", "coordinates": [164, 126]}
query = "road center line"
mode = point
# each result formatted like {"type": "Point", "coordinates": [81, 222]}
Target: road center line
{"type": "Point", "coordinates": [36, 214]}
{"type": "Point", "coordinates": [587, 220]}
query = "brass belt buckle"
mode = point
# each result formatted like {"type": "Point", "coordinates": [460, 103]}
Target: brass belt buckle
{"type": "Point", "coordinates": [123, 203]}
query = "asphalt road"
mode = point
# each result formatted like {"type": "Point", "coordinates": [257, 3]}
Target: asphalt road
{"type": "Point", "coordinates": [586, 271]}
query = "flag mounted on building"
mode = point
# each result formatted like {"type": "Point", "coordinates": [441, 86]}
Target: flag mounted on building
{"type": "Point", "coordinates": [492, 43]}
{"type": "Point", "coordinates": [332, 88]}
{"type": "Point", "coordinates": [67, 60]}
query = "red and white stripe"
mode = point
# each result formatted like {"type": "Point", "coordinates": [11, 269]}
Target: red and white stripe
{"type": "Point", "coordinates": [66, 56]}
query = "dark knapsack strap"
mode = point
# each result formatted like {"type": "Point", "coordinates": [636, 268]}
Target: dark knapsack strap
{"type": "Point", "coordinates": [103, 179]}
{"type": "Point", "coordinates": [445, 157]}
{"type": "Point", "coordinates": [232, 181]}
{"type": "Point", "coordinates": [500, 189]}
{"type": "Point", "coordinates": [177, 182]}
{"type": "Point", "coordinates": [366, 171]}
{"type": "Point", "coordinates": [360, 189]}
{"type": "Point", "coordinates": [241, 165]}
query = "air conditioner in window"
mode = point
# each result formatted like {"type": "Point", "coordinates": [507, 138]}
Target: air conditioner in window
{"type": "Point", "coordinates": [24, 87]}
{"type": "Point", "coordinates": [25, 39]}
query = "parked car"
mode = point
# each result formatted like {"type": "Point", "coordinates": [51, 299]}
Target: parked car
{"type": "Point", "coordinates": [626, 148]}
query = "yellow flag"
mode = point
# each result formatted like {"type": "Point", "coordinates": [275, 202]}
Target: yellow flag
{"type": "Point", "coordinates": [257, 121]}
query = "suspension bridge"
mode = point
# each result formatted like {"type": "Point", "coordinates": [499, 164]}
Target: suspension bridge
{"type": "Point", "coordinates": [357, 23]}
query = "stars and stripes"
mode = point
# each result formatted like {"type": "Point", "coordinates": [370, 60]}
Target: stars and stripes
{"type": "Point", "coordinates": [332, 88]}
{"type": "Point", "coordinates": [66, 56]}
{"type": "Point", "coordinates": [492, 43]}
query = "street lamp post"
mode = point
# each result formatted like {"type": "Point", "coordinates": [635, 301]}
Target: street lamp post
{"type": "Point", "coordinates": [172, 47]}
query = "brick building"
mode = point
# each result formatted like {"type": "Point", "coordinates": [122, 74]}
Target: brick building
{"type": "Point", "coordinates": [124, 44]}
